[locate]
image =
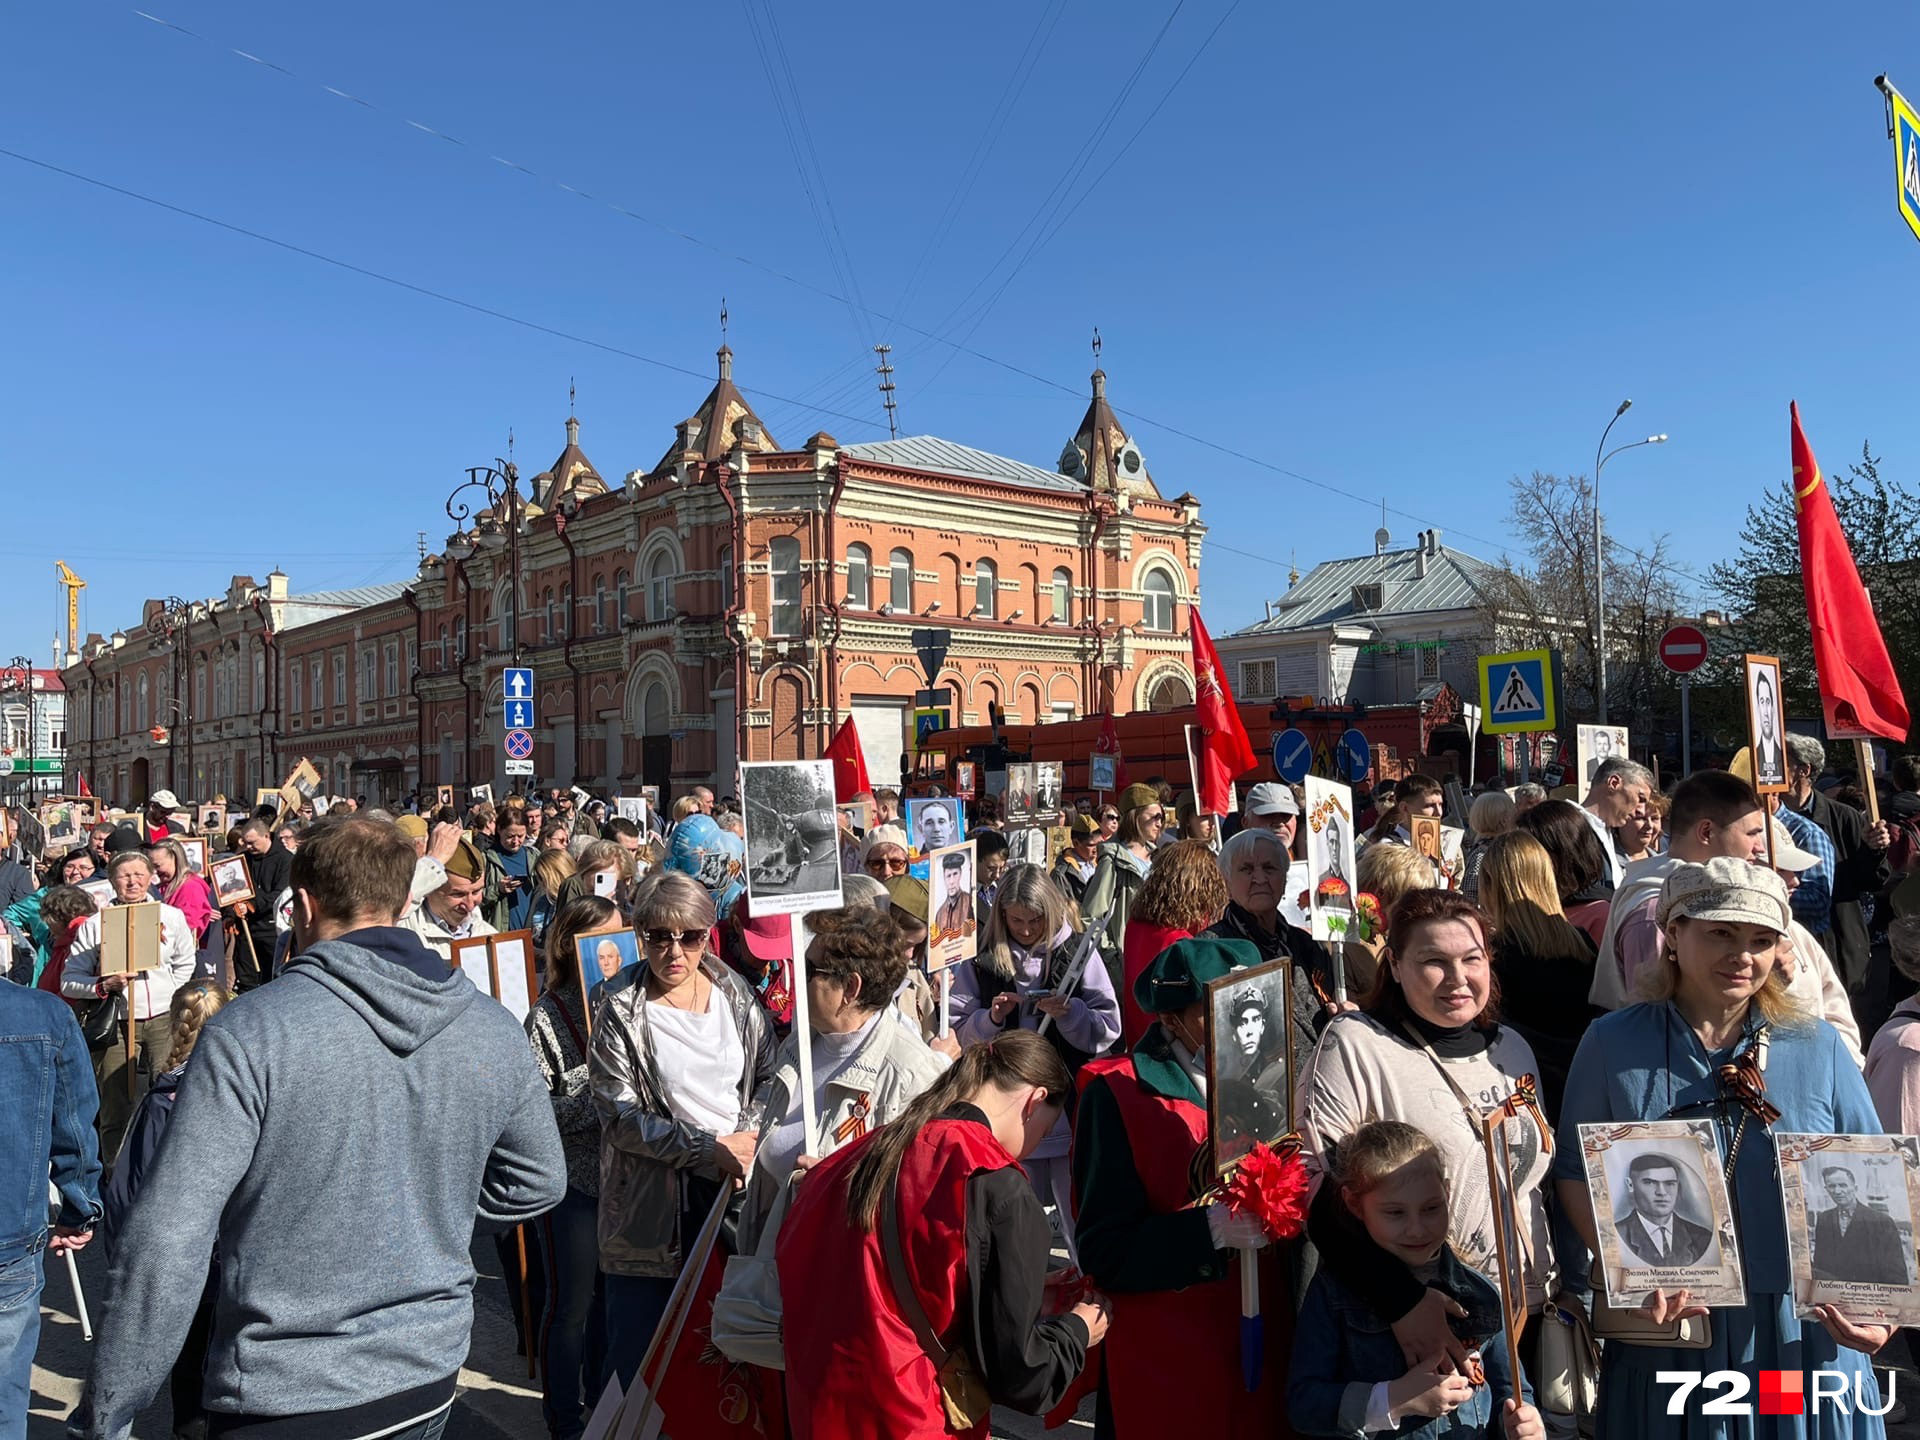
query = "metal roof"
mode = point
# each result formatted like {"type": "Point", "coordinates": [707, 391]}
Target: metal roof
{"type": "Point", "coordinates": [353, 599]}
{"type": "Point", "coordinates": [1325, 595]}
{"type": "Point", "coordinates": [930, 452]}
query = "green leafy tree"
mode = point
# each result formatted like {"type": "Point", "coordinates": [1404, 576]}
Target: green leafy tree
{"type": "Point", "coordinates": [1762, 587]}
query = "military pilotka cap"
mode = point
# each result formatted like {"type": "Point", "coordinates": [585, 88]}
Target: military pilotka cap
{"type": "Point", "coordinates": [1085, 825]}
{"type": "Point", "coordinates": [465, 862]}
{"type": "Point", "coordinates": [1179, 974]}
{"type": "Point", "coordinates": [1725, 889]}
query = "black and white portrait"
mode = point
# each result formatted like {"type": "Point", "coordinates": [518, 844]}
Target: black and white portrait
{"type": "Point", "coordinates": [1020, 803]}
{"type": "Point", "coordinates": [1330, 862]}
{"type": "Point", "coordinates": [1595, 744]}
{"type": "Point", "coordinates": [935, 823]}
{"type": "Point", "coordinates": [1248, 1067]}
{"type": "Point", "coordinates": [1766, 726]}
{"type": "Point", "coordinates": [1048, 786]}
{"type": "Point", "coordinates": [1850, 1202]}
{"type": "Point", "coordinates": [792, 839]}
{"type": "Point", "coordinates": [1661, 1207]}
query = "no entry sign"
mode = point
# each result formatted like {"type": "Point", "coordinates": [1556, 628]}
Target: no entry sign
{"type": "Point", "coordinates": [1683, 649]}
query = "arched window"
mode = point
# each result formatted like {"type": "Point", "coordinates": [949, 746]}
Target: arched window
{"type": "Point", "coordinates": [459, 652]}
{"type": "Point", "coordinates": [1157, 601]}
{"type": "Point", "coordinates": [140, 705]}
{"type": "Point", "coordinates": [783, 564]}
{"type": "Point", "coordinates": [859, 577]}
{"type": "Point", "coordinates": [1063, 596]}
{"type": "Point", "coordinates": [660, 586]}
{"type": "Point", "coordinates": [655, 716]}
{"type": "Point", "coordinates": [900, 581]}
{"type": "Point", "coordinates": [620, 599]}
{"type": "Point", "coordinates": [985, 582]}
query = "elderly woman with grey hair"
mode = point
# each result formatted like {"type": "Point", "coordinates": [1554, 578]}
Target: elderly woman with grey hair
{"type": "Point", "coordinates": [1490, 814]}
{"type": "Point", "coordinates": [1254, 865]}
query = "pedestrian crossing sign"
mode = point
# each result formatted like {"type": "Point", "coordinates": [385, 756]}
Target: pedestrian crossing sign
{"type": "Point", "coordinates": [1905, 126]}
{"type": "Point", "coordinates": [1516, 692]}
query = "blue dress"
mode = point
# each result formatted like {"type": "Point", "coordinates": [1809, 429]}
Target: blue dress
{"type": "Point", "coordinates": [1645, 1063]}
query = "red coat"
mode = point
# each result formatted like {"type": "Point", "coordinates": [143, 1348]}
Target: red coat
{"type": "Point", "coordinates": [1194, 1333]}
{"type": "Point", "coordinates": [854, 1369]}
{"type": "Point", "coordinates": [1145, 940]}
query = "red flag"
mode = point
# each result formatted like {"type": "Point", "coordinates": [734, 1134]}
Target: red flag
{"type": "Point", "coordinates": [1225, 752]}
{"type": "Point", "coordinates": [1109, 744]}
{"type": "Point", "coordinates": [85, 793]}
{"type": "Point", "coordinates": [849, 763]}
{"type": "Point", "coordinates": [1858, 690]}
{"type": "Point", "coordinates": [705, 1395]}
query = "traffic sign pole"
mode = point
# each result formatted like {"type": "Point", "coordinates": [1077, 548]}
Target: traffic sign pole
{"type": "Point", "coordinates": [1686, 727]}
{"type": "Point", "coordinates": [1683, 650]}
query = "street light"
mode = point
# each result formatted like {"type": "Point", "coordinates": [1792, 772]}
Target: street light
{"type": "Point", "coordinates": [23, 667]}
{"type": "Point", "coordinates": [1600, 555]}
{"type": "Point", "coordinates": [171, 627]}
{"type": "Point", "coordinates": [496, 529]}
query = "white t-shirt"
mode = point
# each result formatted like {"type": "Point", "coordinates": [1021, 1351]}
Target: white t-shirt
{"type": "Point", "coordinates": [701, 1060]}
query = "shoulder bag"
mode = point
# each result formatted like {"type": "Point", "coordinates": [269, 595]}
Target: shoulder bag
{"type": "Point", "coordinates": [963, 1392]}
{"type": "Point", "coordinates": [1624, 1327]}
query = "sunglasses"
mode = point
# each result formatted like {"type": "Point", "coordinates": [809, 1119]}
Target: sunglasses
{"type": "Point", "coordinates": [896, 864]}
{"type": "Point", "coordinates": [1109, 815]}
{"type": "Point", "coordinates": [688, 939]}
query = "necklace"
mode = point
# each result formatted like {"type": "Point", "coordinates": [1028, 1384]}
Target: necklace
{"type": "Point", "coordinates": [696, 1005]}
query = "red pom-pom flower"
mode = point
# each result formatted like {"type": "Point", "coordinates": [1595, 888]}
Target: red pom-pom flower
{"type": "Point", "coordinates": [1272, 1188]}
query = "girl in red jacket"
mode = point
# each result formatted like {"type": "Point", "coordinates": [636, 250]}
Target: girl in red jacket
{"type": "Point", "coordinates": [920, 1253]}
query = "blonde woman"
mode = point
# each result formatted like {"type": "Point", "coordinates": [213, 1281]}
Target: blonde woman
{"type": "Point", "coordinates": [194, 1003]}
{"type": "Point", "coordinates": [1544, 961]}
{"type": "Point", "coordinates": [175, 884]}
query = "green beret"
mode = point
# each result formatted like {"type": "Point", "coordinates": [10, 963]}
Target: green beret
{"type": "Point", "coordinates": [1178, 973]}
{"type": "Point", "coordinates": [1138, 797]}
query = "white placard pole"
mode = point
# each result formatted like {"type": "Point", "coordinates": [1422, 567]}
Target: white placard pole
{"type": "Point", "coordinates": [803, 1033]}
{"type": "Point", "coordinates": [946, 993]}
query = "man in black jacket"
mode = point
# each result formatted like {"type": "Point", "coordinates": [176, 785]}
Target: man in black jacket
{"type": "Point", "coordinates": [1860, 863]}
{"type": "Point", "coordinates": [269, 865]}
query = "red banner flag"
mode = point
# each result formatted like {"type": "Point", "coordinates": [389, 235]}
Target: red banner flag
{"type": "Point", "coordinates": [1225, 753]}
{"type": "Point", "coordinates": [849, 763]}
{"type": "Point", "coordinates": [85, 793]}
{"type": "Point", "coordinates": [1858, 690]}
{"type": "Point", "coordinates": [704, 1394]}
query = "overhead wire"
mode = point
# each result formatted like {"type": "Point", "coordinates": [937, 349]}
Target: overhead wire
{"type": "Point", "coordinates": [723, 252]}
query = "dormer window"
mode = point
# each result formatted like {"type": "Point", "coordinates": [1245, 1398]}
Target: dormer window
{"type": "Point", "coordinates": [1369, 597]}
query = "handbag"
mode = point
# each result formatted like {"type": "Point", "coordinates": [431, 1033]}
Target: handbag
{"type": "Point", "coordinates": [1567, 1373]}
{"type": "Point", "coordinates": [102, 1021]}
{"type": "Point", "coordinates": [963, 1393]}
{"type": "Point", "coordinates": [1622, 1326]}
{"type": "Point", "coordinates": [747, 1312]}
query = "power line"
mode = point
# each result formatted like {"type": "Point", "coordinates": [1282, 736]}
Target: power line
{"type": "Point", "coordinates": [475, 307]}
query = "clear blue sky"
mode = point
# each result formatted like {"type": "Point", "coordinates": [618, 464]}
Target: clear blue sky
{"type": "Point", "coordinates": [1407, 254]}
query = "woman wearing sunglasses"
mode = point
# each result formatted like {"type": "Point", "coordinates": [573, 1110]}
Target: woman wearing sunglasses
{"type": "Point", "coordinates": [679, 1052]}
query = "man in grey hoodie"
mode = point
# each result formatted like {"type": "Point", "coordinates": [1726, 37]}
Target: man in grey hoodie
{"type": "Point", "coordinates": [336, 1136]}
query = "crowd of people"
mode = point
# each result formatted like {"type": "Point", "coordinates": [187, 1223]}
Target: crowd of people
{"type": "Point", "coordinates": [1001, 1189]}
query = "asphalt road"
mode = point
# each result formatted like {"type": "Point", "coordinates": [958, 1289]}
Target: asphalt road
{"type": "Point", "coordinates": [497, 1401]}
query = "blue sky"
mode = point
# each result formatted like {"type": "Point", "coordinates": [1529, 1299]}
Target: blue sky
{"type": "Point", "coordinates": [1402, 251]}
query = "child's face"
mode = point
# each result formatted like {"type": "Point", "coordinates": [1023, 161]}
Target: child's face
{"type": "Point", "coordinates": [1406, 1213]}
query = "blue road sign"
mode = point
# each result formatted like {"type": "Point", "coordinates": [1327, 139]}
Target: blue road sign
{"type": "Point", "coordinates": [519, 745]}
{"type": "Point", "coordinates": [1353, 757]}
{"type": "Point", "coordinates": [517, 715]}
{"type": "Point", "coordinates": [1292, 755]}
{"type": "Point", "coordinates": [1516, 692]}
{"type": "Point", "coordinates": [517, 684]}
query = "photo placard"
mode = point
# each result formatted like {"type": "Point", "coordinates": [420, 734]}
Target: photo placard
{"type": "Point", "coordinates": [1330, 864]}
{"type": "Point", "coordinates": [605, 955]}
{"type": "Point", "coordinates": [1850, 1203]}
{"type": "Point", "coordinates": [129, 938]}
{"type": "Point", "coordinates": [501, 966]}
{"type": "Point", "coordinates": [1593, 744]}
{"type": "Point", "coordinates": [232, 881]}
{"type": "Point", "coordinates": [1661, 1208]}
{"type": "Point", "coordinates": [1766, 723]}
{"type": "Point", "coordinates": [934, 823]}
{"type": "Point", "coordinates": [792, 836]}
{"type": "Point", "coordinates": [953, 927]}
{"type": "Point", "coordinates": [1249, 1060]}
{"type": "Point", "coordinates": [196, 848]}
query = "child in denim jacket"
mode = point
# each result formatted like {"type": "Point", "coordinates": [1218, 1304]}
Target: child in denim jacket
{"type": "Point", "coordinates": [1349, 1377]}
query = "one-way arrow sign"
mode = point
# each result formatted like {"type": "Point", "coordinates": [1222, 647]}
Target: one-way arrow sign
{"type": "Point", "coordinates": [517, 684]}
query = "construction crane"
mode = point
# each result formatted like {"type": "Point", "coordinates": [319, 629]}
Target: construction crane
{"type": "Point", "coordinates": [73, 585]}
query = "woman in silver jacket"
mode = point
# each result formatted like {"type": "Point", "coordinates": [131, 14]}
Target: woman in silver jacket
{"type": "Point", "coordinates": [680, 1048]}
{"type": "Point", "coordinates": [869, 1063]}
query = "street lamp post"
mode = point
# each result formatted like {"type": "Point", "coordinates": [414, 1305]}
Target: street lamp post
{"type": "Point", "coordinates": [171, 627]}
{"type": "Point", "coordinates": [496, 528]}
{"type": "Point", "coordinates": [1600, 555]}
{"type": "Point", "coordinates": [23, 666]}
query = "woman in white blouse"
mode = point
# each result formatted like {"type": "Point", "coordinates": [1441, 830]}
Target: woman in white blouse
{"type": "Point", "coordinates": [680, 1048]}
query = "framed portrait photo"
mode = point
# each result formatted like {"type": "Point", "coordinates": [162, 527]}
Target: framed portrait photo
{"type": "Point", "coordinates": [964, 778]}
{"type": "Point", "coordinates": [232, 882]}
{"type": "Point", "coordinates": [1020, 807]}
{"type": "Point", "coordinates": [1331, 871]}
{"type": "Point", "coordinates": [793, 836]}
{"type": "Point", "coordinates": [935, 823]}
{"type": "Point", "coordinates": [1249, 1060]}
{"type": "Point", "coordinates": [1766, 723]}
{"type": "Point", "coordinates": [1594, 744]}
{"type": "Point", "coordinates": [1850, 1203]}
{"type": "Point", "coordinates": [604, 956]}
{"type": "Point", "coordinates": [953, 926]}
{"type": "Point", "coordinates": [212, 819]}
{"type": "Point", "coordinates": [1660, 1204]}
{"type": "Point", "coordinates": [1049, 788]}
{"type": "Point", "coordinates": [1100, 772]}
{"type": "Point", "coordinates": [196, 848]}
